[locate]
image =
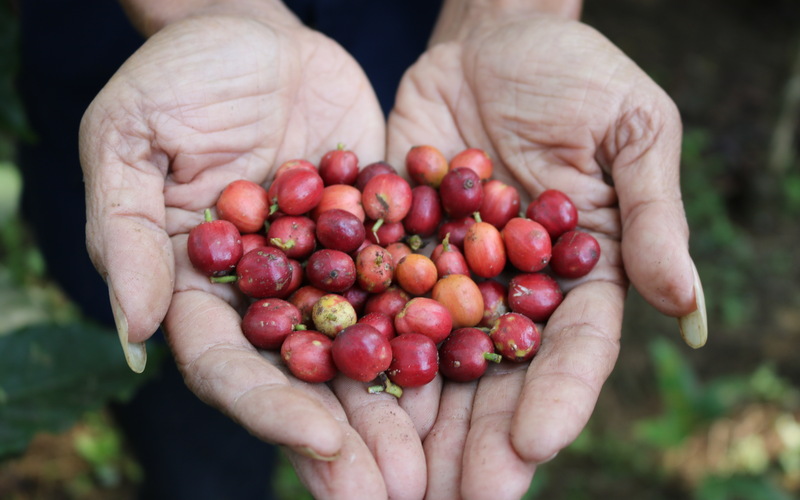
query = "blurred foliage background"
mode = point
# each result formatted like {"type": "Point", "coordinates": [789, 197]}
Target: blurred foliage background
{"type": "Point", "coordinates": [720, 423]}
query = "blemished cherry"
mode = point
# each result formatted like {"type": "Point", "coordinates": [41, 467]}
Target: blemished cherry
{"type": "Point", "coordinates": [263, 272]}
{"type": "Point", "coordinates": [495, 301]}
{"type": "Point", "coordinates": [332, 313]}
{"type": "Point", "coordinates": [374, 268]}
{"type": "Point", "coordinates": [267, 322]}
{"type": "Point", "coordinates": [331, 270]}
{"type": "Point", "coordinates": [516, 337]}
{"type": "Point", "coordinates": [294, 234]}
{"type": "Point", "coordinates": [536, 295]}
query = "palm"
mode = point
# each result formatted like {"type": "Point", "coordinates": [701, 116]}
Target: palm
{"type": "Point", "coordinates": [206, 102]}
{"type": "Point", "coordinates": [556, 107]}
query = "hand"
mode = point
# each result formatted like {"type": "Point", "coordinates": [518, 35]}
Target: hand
{"type": "Point", "coordinates": [206, 100]}
{"type": "Point", "coordinates": [556, 105]}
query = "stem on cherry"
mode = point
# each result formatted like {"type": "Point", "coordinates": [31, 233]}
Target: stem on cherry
{"type": "Point", "coordinates": [231, 278]}
{"type": "Point", "coordinates": [375, 227]}
{"type": "Point", "coordinates": [493, 357]}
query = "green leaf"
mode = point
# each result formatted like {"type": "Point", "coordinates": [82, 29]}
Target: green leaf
{"type": "Point", "coordinates": [740, 488]}
{"type": "Point", "coordinates": [680, 395]}
{"type": "Point", "coordinates": [51, 375]}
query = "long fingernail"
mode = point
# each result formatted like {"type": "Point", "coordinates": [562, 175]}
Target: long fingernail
{"type": "Point", "coordinates": [694, 326]}
{"type": "Point", "coordinates": [548, 459]}
{"type": "Point", "coordinates": [312, 453]}
{"type": "Point", "coordinates": [135, 353]}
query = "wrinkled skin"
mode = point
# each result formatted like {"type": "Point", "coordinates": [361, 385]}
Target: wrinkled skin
{"type": "Point", "coordinates": [204, 102]}
{"type": "Point", "coordinates": [212, 99]}
{"type": "Point", "coordinates": [556, 106]}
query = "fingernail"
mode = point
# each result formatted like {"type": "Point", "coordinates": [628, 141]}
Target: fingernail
{"type": "Point", "coordinates": [694, 326]}
{"type": "Point", "coordinates": [135, 353]}
{"type": "Point", "coordinates": [312, 453]}
{"type": "Point", "coordinates": [548, 459]}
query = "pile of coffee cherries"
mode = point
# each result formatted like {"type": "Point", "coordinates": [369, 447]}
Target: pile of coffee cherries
{"type": "Point", "coordinates": [390, 281]}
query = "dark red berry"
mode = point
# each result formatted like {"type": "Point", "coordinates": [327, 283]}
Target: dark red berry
{"type": "Point", "coordinates": [575, 254]}
{"type": "Point", "coordinates": [214, 246]}
{"type": "Point", "coordinates": [415, 360]}
{"type": "Point", "coordinates": [555, 211]}
{"type": "Point", "coordinates": [536, 295]}
{"type": "Point", "coordinates": [267, 322]}
{"type": "Point", "coordinates": [461, 192]}
{"type": "Point", "coordinates": [361, 352]}
{"type": "Point", "coordinates": [465, 355]}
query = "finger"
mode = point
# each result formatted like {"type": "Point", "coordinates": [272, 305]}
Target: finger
{"type": "Point", "coordinates": [390, 435]}
{"type": "Point", "coordinates": [445, 442]}
{"type": "Point", "coordinates": [655, 234]}
{"type": "Point", "coordinates": [354, 474]}
{"type": "Point", "coordinates": [580, 345]}
{"type": "Point", "coordinates": [488, 452]}
{"type": "Point", "coordinates": [224, 370]}
{"type": "Point", "coordinates": [125, 229]}
{"type": "Point", "coordinates": [421, 404]}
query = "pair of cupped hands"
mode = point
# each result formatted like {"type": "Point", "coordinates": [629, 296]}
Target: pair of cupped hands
{"type": "Point", "coordinates": [214, 98]}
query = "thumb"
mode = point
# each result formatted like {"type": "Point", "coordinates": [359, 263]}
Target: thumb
{"type": "Point", "coordinates": [655, 235]}
{"type": "Point", "coordinates": [125, 229]}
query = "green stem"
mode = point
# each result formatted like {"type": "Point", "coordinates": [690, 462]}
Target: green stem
{"type": "Point", "coordinates": [446, 242]}
{"type": "Point", "coordinates": [375, 227]}
{"type": "Point", "coordinates": [283, 245]}
{"type": "Point", "coordinates": [231, 278]}
{"type": "Point", "coordinates": [393, 389]}
{"type": "Point", "coordinates": [207, 215]}
{"type": "Point", "coordinates": [415, 242]}
{"type": "Point", "coordinates": [493, 357]}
